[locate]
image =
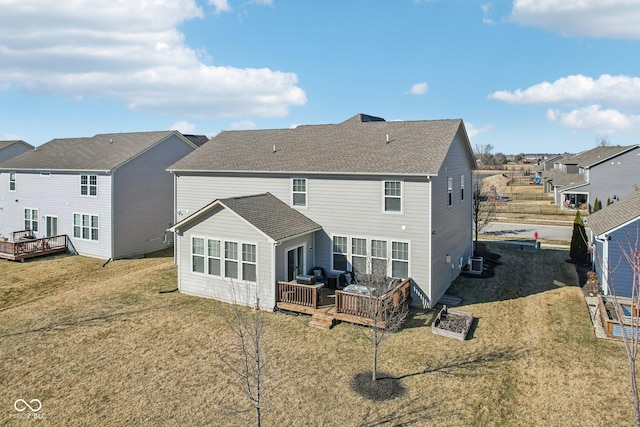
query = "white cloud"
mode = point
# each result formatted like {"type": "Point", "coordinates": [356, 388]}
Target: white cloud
{"type": "Point", "coordinates": [419, 89]}
{"type": "Point", "coordinates": [473, 131]}
{"type": "Point", "coordinates": [590, 18]}
{"type": "Point", "coordinates": [184, 127]}
{"type": "Point", "coordinates": [486, 14]}
{"type": "Point", "coordinates": [596, 119]}
{"type": "Point", "coordinates": [615, 90]}
{"type": "Point", "coordinates": [131, 51]}
{"type": "Point", "coordinates": [243, 125]}
{"type": "Point", "coordinates": [220, 6]}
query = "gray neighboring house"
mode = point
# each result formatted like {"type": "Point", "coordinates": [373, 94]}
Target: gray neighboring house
{"type": "Point", "coordinates": [13, 148]}
{"type": "Point", "coordinates": [615, 229]}
{"type": "Point", "coordinates": [604, 173]}
{"type": "Point", "coordinates": [361, 195]}
{"type": "Point", "coordinates": [110, 193]}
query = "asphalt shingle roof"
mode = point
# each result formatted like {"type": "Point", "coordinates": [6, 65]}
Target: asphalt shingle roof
{"type": "Point", "coordinates": [271, 215]}
{"type": "Point", "coordinates": [616, 214]}
{"type": "Point", "coordinates": [598, 154]}
{"type": "Point", "coordinates": [361, 145]}
{"type": "Point", "coordinates": [101, 152]}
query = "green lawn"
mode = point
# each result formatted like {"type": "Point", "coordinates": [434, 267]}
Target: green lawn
{"type": "Point", "coordinates": [101, 346]}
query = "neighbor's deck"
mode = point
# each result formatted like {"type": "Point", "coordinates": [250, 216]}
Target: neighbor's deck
{"type": "Point", "coordinates": [326, 308]}
{"type": "Point", "coordinates": [21, 250]}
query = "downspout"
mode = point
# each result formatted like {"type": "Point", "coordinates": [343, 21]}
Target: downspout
{"type": "Point", "coordinates": [431, 233]}
{"type": "Point", "coordinates": [175, 217]}
{"type": "Point", "coordinates": [113, 216]}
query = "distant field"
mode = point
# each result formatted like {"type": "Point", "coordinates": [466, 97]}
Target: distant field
{"type": "Point", "coordinates": [101, 346]}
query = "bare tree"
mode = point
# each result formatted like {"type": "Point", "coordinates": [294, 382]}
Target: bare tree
{"type": "Point", "coordinates": [247, 359]}
{"type": "Point", "coordinates": [629, 258]}
{"type": "Point", "coordinates": [483, 154]}
{"type": "Point", "coordinates": [484, 209]}
{"type": "Point", "coordinates": [385, 310]}
{"type": "Point", "coordinates": [602, 141]}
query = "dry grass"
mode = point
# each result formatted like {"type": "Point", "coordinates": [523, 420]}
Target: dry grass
{"type": "Point", "coordinates": [101, 346]}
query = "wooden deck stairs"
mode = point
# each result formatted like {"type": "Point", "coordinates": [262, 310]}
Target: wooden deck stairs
{"type": "Point", "coordinates": [322, 319]}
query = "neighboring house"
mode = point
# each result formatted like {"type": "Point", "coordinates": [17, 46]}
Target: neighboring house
{"type": "Point", "coordinates": [614, 230]}
{"type": "Point", "coordinates": [261, 206]}
{"type": "Point", "coordinates": [11, 149]}
{"type": "Point", "coordinates": [603, 173]}
{"type": "Point", "coordinates": [110, 193]}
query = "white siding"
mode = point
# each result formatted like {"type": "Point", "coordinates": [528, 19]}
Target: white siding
{"type": "Point", "coordinates": [225, 225]}
{"type": "Point", "coordinates": [57, 195]}
{"type": "Point", "coordinates": [143, 202]}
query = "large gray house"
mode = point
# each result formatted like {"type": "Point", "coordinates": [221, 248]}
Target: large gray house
{"type": "Point", "coordinates": [110, 193]}
{"type": "Point", "coordinates": [603, 173]}
{"type": "Point", "coordinates": [258, 207]}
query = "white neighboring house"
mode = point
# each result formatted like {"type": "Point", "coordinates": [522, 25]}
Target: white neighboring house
{"type": "Point", "coordinates": [13, 148]}
{"type": "Point", "coordinates": [262, 206]}
{"type": "Point", "coordinates": [110, 193]}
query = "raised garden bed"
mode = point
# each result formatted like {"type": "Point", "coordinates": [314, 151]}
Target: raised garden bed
{"type": "Point", "coordinates": [452, 323]}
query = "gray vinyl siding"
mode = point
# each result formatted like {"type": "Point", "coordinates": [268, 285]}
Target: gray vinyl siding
{"type": "Point", "coordinates": [143, 202]}
{"type": "Point", "coordinates": [57, 195]}
{"type": "Point", "coordinates": [225, 225]}
{"type": "Point", "coordinates": [12, 151]}
{"type": "Point", "coordinates": [452, 225]}
{"type": "Point", "coordinates": [622, 240]}
{"type": "Point", "coordinates": [615, 177]}
{"type": "Point", "coordinates": [345, 206]}
{"type": "Point", "coordinates": [353, 206]}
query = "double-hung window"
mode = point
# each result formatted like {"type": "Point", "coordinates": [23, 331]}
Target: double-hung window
{"type": "Point", "coordinates": [216, 257]}
{"type": "Point", "coordinates": [340, 251]}
{"type": "Point", "coordinates": [31, 219]}
{"type": "Point", "coordinates": [359, 255]}
{"type": "Point", "coordinates": [249, 260]}
{"type": "Point", "coordinates": [462, 187]}
{"type": "Point", "coordinates": [450, 190]}
{"type": "Point", "coordinates": [85, 226]}
{"type": "Point", "coordinates": [299, 191]}
{"type": "Point", "coordinates": [379, 256]}
{"type": "Point", "coordinates": [393, 196]}
{"type": "Point", "coordinates": [12, 181]}
{"type": "Point", "coordinates": [213, 257]}
{"type": "Point", "coordinates": [197, 254]}
{"type": "Point", "coordinates": [399, 259]}
{"type": "Point", "coordinates": [231, 260]}
{"type": "Point", "coordinates": [88, 185]}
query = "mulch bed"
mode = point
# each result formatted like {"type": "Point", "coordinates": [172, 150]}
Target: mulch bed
{"type": "Point", "coordinates": [386, 387]}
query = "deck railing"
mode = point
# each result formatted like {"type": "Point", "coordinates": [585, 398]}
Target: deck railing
{"type": "Point", "coordinates": [295, 293]}
{"type": "Point", "coordinates": [29, 248]}
{"type": "Point", "coordinates": [17, 235]}
{"type": "Point", "coordinates": [364, 305]}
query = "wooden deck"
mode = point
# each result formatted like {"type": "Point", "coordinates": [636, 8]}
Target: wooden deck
{"type": "Point", "coordinates": [326, 309]}
{"type": "Point", "coordinates": [21, 250]}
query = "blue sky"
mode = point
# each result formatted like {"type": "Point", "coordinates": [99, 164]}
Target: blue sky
{"type": "Point", "coordinates": [524, 75]}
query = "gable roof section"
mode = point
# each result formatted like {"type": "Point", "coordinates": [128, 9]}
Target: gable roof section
{"type": "Point", "coordinates": [102, 152]}
{"type": "Point", "coordinates": [361, 145]}
{"type": "Point", "coordinates": [616, 214]}
{"type": "Point", "coordinates": [265, 212]}
{"type": "Point", "coordinates": [5, 144]}
{"type": "Point", "coordinates": [597, 155]}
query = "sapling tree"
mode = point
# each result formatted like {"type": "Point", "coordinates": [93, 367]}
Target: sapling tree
{"type": "Point", "coordinates": [247, 359]}
{"type": "Point", "coordinates": [385, 310]}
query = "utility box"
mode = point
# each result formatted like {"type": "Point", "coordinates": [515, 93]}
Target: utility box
{"type": "Point", "coordinates": [476, 265]}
